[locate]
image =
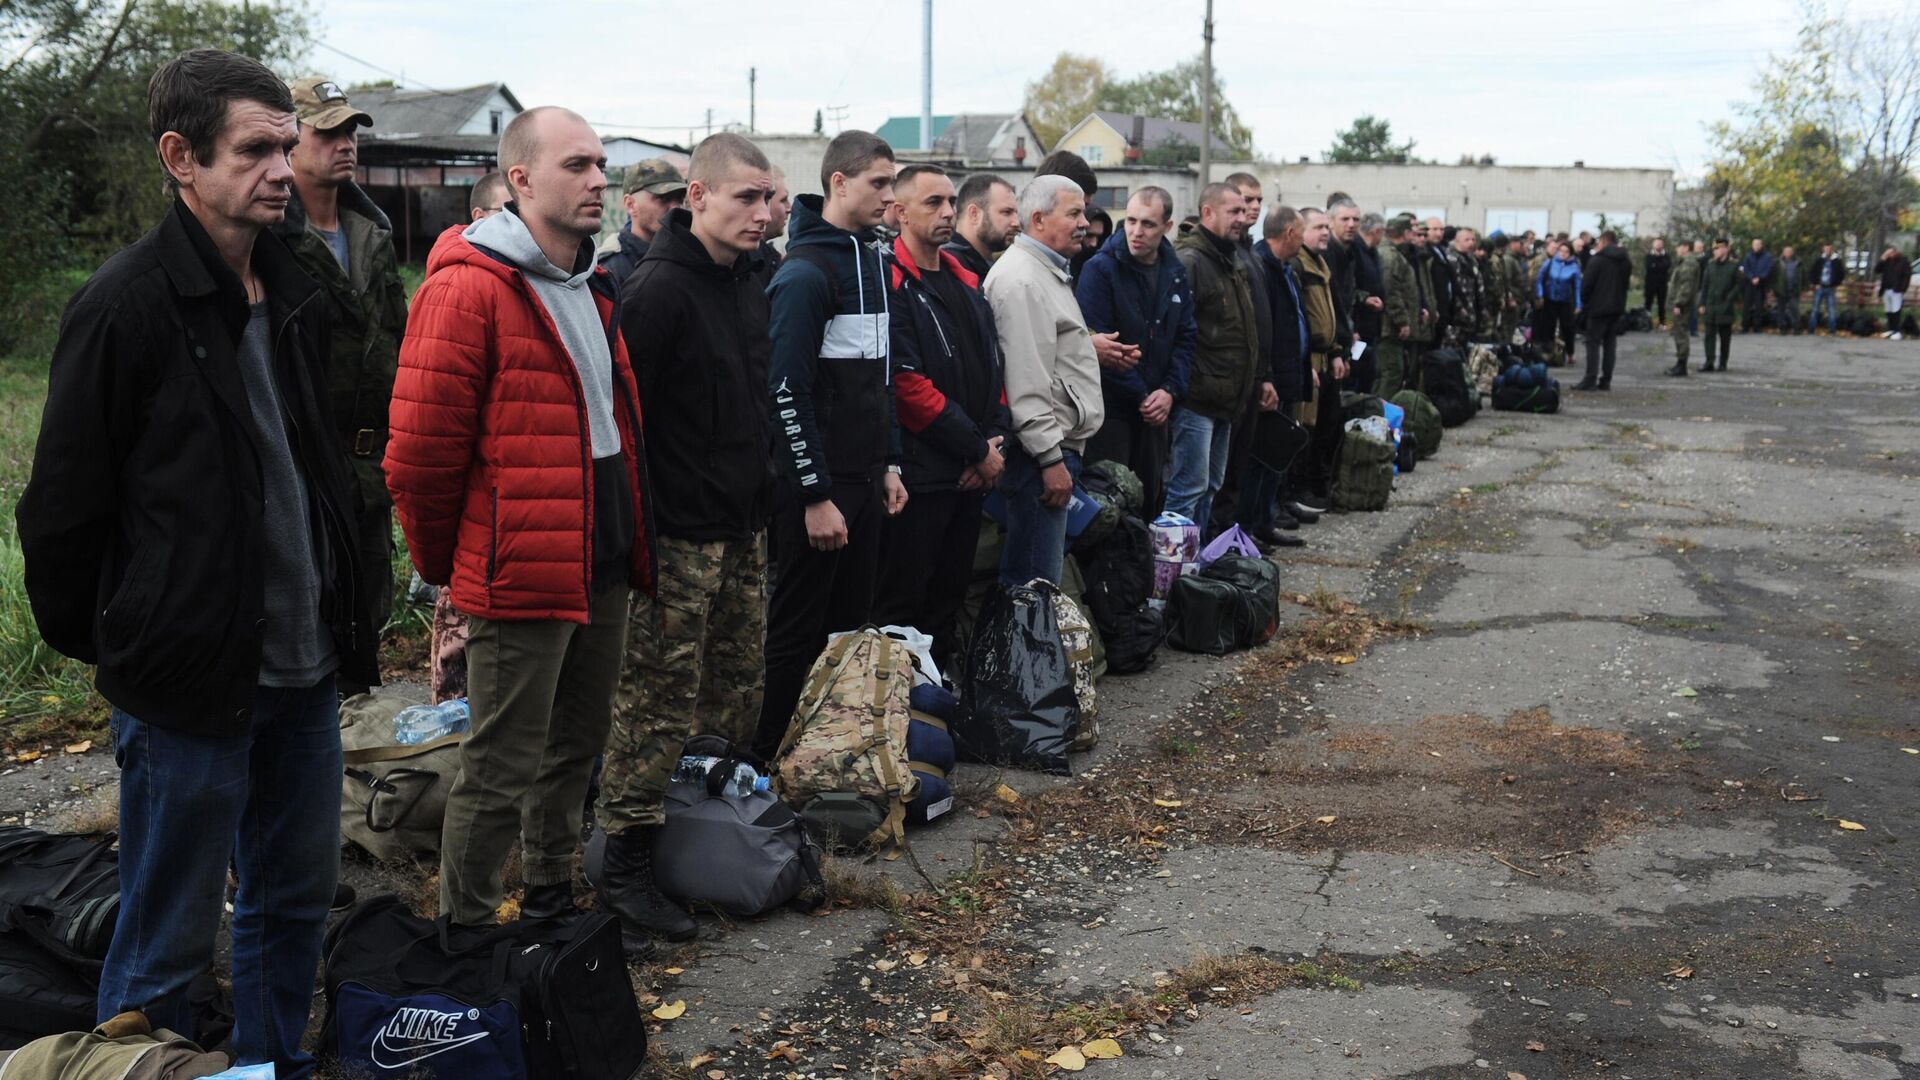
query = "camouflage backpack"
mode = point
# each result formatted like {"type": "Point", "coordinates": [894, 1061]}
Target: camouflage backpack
{"type": "Point", "coordinates": [1363, 470]}
{"type": "Point", "coordinates": [1076, 634]}
{"type": "Point", "coordinates": [848, 736]}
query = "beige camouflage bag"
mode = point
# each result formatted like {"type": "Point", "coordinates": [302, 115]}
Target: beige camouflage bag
{"type": "Point", "coordinates": [1483, 364]}
{"type": "Point", "coordinates": [848, 734]}
{"type": "Point", "coordinates": [1076, 634]}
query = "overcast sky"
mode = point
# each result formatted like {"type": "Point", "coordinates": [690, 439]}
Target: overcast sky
{"type": "Point", "coordinates": [1620, 82]}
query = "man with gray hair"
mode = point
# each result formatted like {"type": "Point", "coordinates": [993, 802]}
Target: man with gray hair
{"type": "Point", "coordinates": [1052, 376]}
{"type": "Point", "coordinates": [1370, 292]}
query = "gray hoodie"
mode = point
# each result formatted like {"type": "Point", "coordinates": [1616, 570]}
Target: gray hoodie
{"type": "Point", "coordinates": [568, 300]}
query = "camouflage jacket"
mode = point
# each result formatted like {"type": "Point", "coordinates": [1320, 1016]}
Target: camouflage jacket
{"type": "Point", "coordinates": [1469, 293]}
{"type": "Point", "coordinates": [367, 305]}
{"type": "Point", "coordinates": [1519, 287]}
{"type": "Point", "coordinates": [1683, 291]}
{"type": "Point", "coordinates": [1403, 295]}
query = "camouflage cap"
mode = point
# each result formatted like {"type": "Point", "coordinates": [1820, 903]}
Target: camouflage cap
{"type": "Point", "coordinates": [320, 102]}
{"type": "Point", "coordinates": [653, 176]}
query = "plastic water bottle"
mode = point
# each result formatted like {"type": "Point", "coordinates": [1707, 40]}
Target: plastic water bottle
{"type": "Point", "coordinates": [418, 724]}
{"type": "Point", "coordinates": [746, 779]}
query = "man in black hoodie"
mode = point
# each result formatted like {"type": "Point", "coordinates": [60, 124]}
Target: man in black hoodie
{"type": "Point", "coordinates": [948, 395]}
{"type": "Point", "coordinates": [833, 418]}
{"type": "Point", "coordinates": [989, 219]}
{"type": "Point", "coordinates": [695, 323]}
{"type": "Point", "coordinates": [1604, 300]}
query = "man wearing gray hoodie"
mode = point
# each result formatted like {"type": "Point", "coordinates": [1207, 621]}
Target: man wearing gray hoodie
{"type": "Point", "coordinates": [515, 471]}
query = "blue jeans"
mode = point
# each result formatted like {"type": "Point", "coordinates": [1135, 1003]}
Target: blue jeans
{"type": "Point", "coordinates": [268, 802]}
{"type": "Point", "coordinates": [1823, 294]}
{"type": "Point", "coordinates": [1196, 464]}
{"type": "Point", "coordinates": [1036, 533]}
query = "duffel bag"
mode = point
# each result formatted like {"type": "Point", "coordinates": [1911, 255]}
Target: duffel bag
{"type": "Point", "coordinates": [1257, 617]}
{"type": "Point", "coordinates": [522, 1001]}
{"type": "Point", "coordinates": [1201, 615]}
{"type": "Point", "coordinates": [743, 855]}
{"type": "Point", "coordinates": [1423, 420]}
{"type": "Point", "coordinates": [41, 994]}
{"type": "Point", "coordinates": [1544, 398]}
{"type": "Point", "coordinates": [393, 798]}
{"type": "Point", "coordinates": [1132, 640]}
{"type": "Point", "coordinates": [1363, 472]}
{"type": "Point", "coordinates": [61, 890]}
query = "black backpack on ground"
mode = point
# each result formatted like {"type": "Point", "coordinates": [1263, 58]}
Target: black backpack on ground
{"type": "Point", "coordinates": [61, 890]}
{"type": "Point", "coordinates": [521, 1001]}
{"type": "Point", "coordinates": [40, 994]}
{"type": "Point", "coordinates": [1132, 644]}
{"type": "Point", "coordinates": [1445, 380]}
{"type": "Point", "coordinates": [1865, 325]}
{"type": "Point", "coordinates": [1118, 573]}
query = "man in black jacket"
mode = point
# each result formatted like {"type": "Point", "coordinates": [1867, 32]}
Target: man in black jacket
{"type": "Point", "coordinates": [833, 413]}
{"type": "Point", "coordinates": [948, 395]}
{"type": "Point", "coordinates": [1604, 299]}
{"type": "Point", "coordinates": [188, 528]}
{"type": "Point", "coordinates": [1440, 272]}
{"type": "Point", "coordinates": [695, 323]}
{"type": "Point", "coordinates": [1288, 376]}
{"type": "Point", "coordinates": [1828, 273]}
{"type": "Point", "coordinates": [1658, 271]}
{"type": "Point", "coordinates": [989, 219]}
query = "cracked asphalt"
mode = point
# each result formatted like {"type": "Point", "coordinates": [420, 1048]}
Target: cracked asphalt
{"type": "Point", "coordinates": [1587, 818]}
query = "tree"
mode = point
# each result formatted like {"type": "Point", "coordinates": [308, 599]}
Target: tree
{"type": "Point", "coordinates": [819, 123]}
{"type": "Point", "coordinates": [1175, 94]}
{"type": "Point", "coordinates": [1369, 139]}
{"type": "Point", "coordinates": [1064, 95]}
{"type": "Point", "coordinates": [81, 174]}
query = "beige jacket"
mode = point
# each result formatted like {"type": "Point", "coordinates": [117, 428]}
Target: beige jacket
{"type": "Point", "coordinates": [1052, 375]}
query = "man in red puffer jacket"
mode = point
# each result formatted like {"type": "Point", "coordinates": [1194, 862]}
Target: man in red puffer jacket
{"type": "Point", "coordinates": [515, 467]}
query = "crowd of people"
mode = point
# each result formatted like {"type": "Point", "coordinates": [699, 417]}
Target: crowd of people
{"type": "Point", "coordinates": [648, 485]}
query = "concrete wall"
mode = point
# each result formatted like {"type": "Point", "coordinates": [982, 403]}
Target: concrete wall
{"type": "Point", "coordinates": [1482, 196]}
{"type": "Point", "coordinates": [799, 156]}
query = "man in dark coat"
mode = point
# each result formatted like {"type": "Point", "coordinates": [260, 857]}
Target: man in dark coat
{"type": "Point", "coordinates": [1604, 301]}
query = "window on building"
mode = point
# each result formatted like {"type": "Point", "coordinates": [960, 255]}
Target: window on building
{"type": "Point", "coordinates": [1094, 153]}
{"type": "Point", "coordinates": [494, 116]}
{"type": "Point", "coordinates": [1515, 221]}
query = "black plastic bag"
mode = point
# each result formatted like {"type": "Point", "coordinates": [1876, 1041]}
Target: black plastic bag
{"type": "Point", "coordinates": [1017, 705]}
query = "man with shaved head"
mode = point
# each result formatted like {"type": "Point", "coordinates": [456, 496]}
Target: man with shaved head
{"type": "Point", "coordinates": [694, 318]}
{"type": "Point", "coordinates": [515, 472]}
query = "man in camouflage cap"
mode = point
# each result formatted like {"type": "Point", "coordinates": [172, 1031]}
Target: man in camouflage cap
{"type": "Point", "coordinates": [652, 188]}
{"type": "Point", "coordinates": [345, 244]}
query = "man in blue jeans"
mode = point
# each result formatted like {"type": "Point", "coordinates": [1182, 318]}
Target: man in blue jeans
{"type": "Point", "coordinates": [187, 529]}
{"type": "Point", "coordinates": [1052, 376]}
{"type": "Point", "coordinates": [1826, 276]}
{"type": "Point", "coordinates": [1226, 361]}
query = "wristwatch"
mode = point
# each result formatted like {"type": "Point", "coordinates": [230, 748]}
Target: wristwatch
{"type": "Point", "coordinates": [894, 469]}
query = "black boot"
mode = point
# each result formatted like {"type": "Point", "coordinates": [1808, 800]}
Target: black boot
{"type": "Point", "coordinates": [1679, 370]}
{"type": "Point", "coordinates": [543, 902]}
{"type": "Point", "coordinates": [629, 892]}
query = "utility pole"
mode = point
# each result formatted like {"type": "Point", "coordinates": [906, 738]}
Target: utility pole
{"type": "Point", "coordinates": [926, 74]}
{"type": "Point", "coordinates": [709, 121]}
{"type": "Point", "coordinates": [1206, 100]}
{"type": "Point", "coordinates": [753, 100]}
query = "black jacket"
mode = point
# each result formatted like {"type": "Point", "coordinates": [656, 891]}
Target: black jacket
{"type": "Point", "coordinates": [623, 260]}
{"type": "Point", "coordinates": [1895, 273]}
{"type": "Point", "coordinates": [1441, 302]}
{"type": "Point", "coordinates": [828, 377]}
{"type": "Point", "coordinates": [142, 522]}
{"type": "Point", "coordinates": [949, 403]}
{"type": "Point", "coordinates": [1817, 274]}
{"type": "Point", "coordinates": [1659, 268]}
{"type": "Point", "coordinates": [1288, 367]}
{"type": "Point", "coordinates": [696, 335]}
{"type": "Point", "coordinates": [1148, 306]}
{"type": "Point", "coordinates": [1604, 283]}
{"type": "Point", "coordinates": [1367, 280]}
{"type": "Point", "coordinates": [976, 263]}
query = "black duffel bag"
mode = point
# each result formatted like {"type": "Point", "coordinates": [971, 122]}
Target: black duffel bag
{"type": "Point", "coordinates": [61, 890]}
{"type": "Point", "coordinates": [40, 993]}
{"type": "Point", "coordinates": [522, 1001]}
{"type": "Point", "coordinates": [1232, 604]}
{"type": "Point", "coordinates": [1445, 382]}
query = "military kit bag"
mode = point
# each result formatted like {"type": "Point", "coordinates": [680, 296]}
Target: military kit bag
{"type": "Point", "coordinates": [106, 1053]}
{"type": "Point", "coordinates": [1114, 484]}
{"type": "Point", "coordinates": [393, 798]}
{"type": "Point", "coordinates": [848, 735]}
{"type": "Point", "coordinates": [1363, 469]}
{"type": "Point", "coordinates": [1077, 636]}
{"type": "Point", "coordinates": [1421, 421]}
{"type": "Point", "coordinates": [1444, 380]}
{"type": "Point", "coordinates": [520, 1001]}
{"type": "Point", "coordinates": [1233, 604]}
{"type": "Point", "coordinates": [1538, 398]}
{"type": "Point", "coordinates": [63, 891]}
{"type": "Point", "coordinates": [1018, 702]}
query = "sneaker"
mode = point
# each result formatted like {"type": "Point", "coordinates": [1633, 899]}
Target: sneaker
{"type": "Point", "coordinates": [1895, 336]}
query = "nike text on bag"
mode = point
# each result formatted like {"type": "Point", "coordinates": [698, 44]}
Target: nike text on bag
{"type": "Point", "coordinates": [521, 1001]}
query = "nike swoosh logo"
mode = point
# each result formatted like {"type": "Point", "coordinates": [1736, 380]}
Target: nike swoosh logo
{"type": "Point", "coordinates": [406, 1056]}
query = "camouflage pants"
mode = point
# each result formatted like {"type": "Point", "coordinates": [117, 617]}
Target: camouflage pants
{"type": "Point", "coordinates": [696, 664]}
{"type": "Point", "coordinates": [1395, 365]}
{"type": "Point", "coordinates": [1682, 341]}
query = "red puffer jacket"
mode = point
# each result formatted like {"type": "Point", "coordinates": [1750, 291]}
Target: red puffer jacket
{"type": "Point", "coordinates": [490, 456]}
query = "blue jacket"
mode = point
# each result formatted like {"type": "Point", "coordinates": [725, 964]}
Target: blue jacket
{"type": "Point", "coordinates": [1758, 264]}
{"type": "Point", "coordinates": [1288, 366]}
{"type": "Point", "coordinates": [1150, 306]}
{"type": "Point", "coordinates": [1559, 281]}
{"type": "Point", "coordinates": [828, 377]}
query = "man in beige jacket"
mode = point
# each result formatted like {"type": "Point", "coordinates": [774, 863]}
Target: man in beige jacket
{"type": "Point", "coordinates": [1052, 376]}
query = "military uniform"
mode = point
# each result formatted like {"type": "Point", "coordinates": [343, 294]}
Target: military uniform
{"type": "Point", "coordinates": [1721, 284]}
{"type": "Point", "coordinates": [1469, 294]}
{"type": "Point", "coordinates": [366, 304]}
{"type": "Point", "coordinates": [1402, 311]}
{"type": "Point", "coordinates": [1684, 291]}
{"type": "Point", "coordinates": [1519, 294]}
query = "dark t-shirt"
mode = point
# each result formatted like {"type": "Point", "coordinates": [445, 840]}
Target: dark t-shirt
{"type": "Point", "coordinates": [956, 298]}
